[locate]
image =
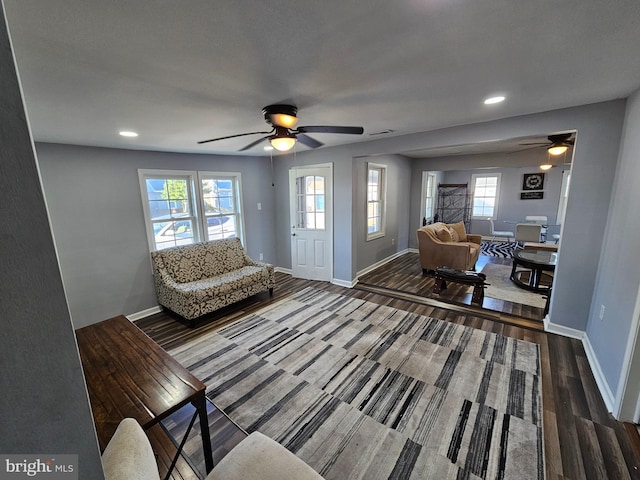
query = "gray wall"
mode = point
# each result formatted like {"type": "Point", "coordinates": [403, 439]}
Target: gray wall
{"type": "Point", "coordinates": [344, 259]}
{"type": "Point", "coordinates": [96, 212]}
{"type": "Point", "coordinates": [599, 128]}
{"type": "Point", "coordinates": [45, 407]}
{"type": "Point", "coordinates": [510, 207]}
{"type": "Point", "coordinates": [397, 208]}
{"type": "Point", "coordinates": [618, 277]}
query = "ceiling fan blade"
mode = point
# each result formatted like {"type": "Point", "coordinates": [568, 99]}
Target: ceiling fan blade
{"type": "Point", "coordinates": [308, 141]}
{"type": "Point", "coordinates": [545, 143]}
{"type": "Point", "coordinates": [233, 136]}
{"type": "Point", "coordinates": [253, 144]}
{"type": "Point", "coordinates": [330, 129]}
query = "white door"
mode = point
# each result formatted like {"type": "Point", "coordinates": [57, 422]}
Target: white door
{"type": "Point", "coordinates": [311, 198]}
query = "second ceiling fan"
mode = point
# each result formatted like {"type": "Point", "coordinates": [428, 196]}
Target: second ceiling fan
{"type": "Point", "coordinates": [283, 135]}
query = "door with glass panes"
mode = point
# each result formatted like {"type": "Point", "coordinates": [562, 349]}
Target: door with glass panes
{"type": "Point", "coordinates": [311, 198]}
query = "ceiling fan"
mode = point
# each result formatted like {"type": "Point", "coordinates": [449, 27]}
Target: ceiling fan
{"type": "Point", "coordinates": [283, 136]}
{"type": "Point", "coordinates": [558, 144]}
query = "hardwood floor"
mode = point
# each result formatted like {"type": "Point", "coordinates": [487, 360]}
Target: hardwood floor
{"type": "Point", "coordinates": [581, 439]}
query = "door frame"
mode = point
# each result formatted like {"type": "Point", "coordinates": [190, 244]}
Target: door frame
{"type": "Point", "coordinates": [328, 212]}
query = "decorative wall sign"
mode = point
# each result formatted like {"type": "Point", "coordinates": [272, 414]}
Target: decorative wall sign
{"type": "Point", "coordinates": [533, 181]}
{"type": "Point", "coordinates": [531, 195]}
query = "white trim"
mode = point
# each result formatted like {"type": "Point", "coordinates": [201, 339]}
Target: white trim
{"type": "Point", "coordinates": [344, 283]}
{"type": "Point", "coordinates": [601, 382]}
{"type": "Point", "coordinates": [288, 271]}
{"type": "Point", "coordinates": [475, 176]}
{"type": "Point", "coordinates": [190, 176]}
{"type": "Point", "coordinates": [236, 180]}
{"type": "Point", "coordinates": [380, 263]}
{"type": "Point", "coordinates": [423, 195]}
{"type": "Point", "coordinates": [551, 327]}
{"type": "Point", "coordinates": [144, 313]}
{"type": "Point", "coordinates": [326, 170]}
{"type": "Point", "coordinates": [628, 395]}
{"type": "Point", "coordinates": [382, 195]}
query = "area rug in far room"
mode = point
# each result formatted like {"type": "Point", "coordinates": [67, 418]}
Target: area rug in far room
{"type": "Point", "coordinates": [501, 287]}
{"type": "Point", "coordinates": [364, 391]}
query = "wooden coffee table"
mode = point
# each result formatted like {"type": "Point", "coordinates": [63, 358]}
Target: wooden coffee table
{"type": "Point", "coordinates": [129, 375]}
{"type": "Point", "coordinates": [536, 262]}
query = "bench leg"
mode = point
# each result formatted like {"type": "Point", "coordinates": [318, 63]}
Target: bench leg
{"type": "Point", "coordinates": [478, 294]}
{"type": "Point", "coordinates": [440, 285]}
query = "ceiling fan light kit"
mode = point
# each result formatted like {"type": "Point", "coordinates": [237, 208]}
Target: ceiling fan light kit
{"type": "Point", "coordinates": [282, 136]}
{"type": "Point", "coordinates": [283, 140]}
{"type": "Point", "coordinates": [557, 149]}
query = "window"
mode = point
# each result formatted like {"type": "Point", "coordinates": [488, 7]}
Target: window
{"type": "Point", "coordinates": [221, 206]}
{"type": "Point", "coordinates": [310, 212]}
{"type": "Point", "coordinates": [376, 191]}
{"type": "Point", "coordinates": [485, 195]}
{"type": "Point", "coordinates": [182, 207]}
{"type": "Point", "coordinates": [428, 196]}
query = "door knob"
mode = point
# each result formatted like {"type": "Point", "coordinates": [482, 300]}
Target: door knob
{"type": "Point", "coordinates": [293, 234]}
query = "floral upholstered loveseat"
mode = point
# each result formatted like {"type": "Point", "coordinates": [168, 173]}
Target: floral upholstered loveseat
{"type": "Point", "coordinates": [193, 280]}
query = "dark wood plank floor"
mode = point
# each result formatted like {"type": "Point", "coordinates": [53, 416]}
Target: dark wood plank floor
{"type": "Point", "coordinates": [581, 439]}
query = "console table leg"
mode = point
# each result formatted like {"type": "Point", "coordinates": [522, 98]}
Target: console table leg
{"type": "Point", "coordinates": [201, 406]}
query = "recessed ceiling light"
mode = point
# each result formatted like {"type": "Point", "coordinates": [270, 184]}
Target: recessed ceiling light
{"type": "Point", "coordinates": [125, 133]}
{"type": "Point", "coordinates": [492, 100]}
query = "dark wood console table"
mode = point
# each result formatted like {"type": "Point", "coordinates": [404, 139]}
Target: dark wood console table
{"type": "Point", "coordinates": [129, 375]}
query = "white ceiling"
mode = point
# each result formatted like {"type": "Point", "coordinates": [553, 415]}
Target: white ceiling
{"type": "Point", "coordinates": [182, 71]}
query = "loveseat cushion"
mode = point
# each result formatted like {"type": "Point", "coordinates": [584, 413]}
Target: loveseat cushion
{"type": "Point", "coordinates": [460, 229]}
{"type": "Point", "coordinates": [189, 263]}
{"type": "Point", "coordinates": [443, 234]}
{"type": "Point", "coordinates": [207, 288]}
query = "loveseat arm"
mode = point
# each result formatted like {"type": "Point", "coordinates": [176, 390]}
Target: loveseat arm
{"type": "Point", "coordinates": [473, 238]}
{"type": "Point", "coordinates": [129, 455]}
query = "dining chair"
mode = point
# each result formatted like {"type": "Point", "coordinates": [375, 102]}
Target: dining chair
{"type": "Point", "coordinates": [499, 233]}
{"type": "Point", "coordinates": [527, 232]}
{"type": "Point", "coordinates": [540, 220]}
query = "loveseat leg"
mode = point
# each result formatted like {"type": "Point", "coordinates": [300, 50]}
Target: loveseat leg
{"type": "Point", "coordinates": [271, 291]}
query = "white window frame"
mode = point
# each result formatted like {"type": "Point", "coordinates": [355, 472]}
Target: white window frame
{"type": "Point", "coordinates": [474, 177]}
{"type": "Point", "coordinates": [381, 200]}
{"type": "Point", "coordinates": [236, 180]}
{"type": "Point", "coordinates": [428, 180]}
{"type": "Point", "coordinates": [196, 201]}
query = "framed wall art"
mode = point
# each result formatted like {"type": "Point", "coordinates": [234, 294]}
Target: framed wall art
{"type": "Point", "coordinates": [531, 195]}
{"type": "Point", "coordinates": [533, 181]}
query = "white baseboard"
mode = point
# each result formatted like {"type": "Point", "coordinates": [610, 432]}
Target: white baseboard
{"type": "Point", "coordinates": [603, 385]}
{"type": "Point", "coordinates": [282, 270]}
{"type": "Point", "coordinates": [601, 381]}
{"type": "Point", "coordinates": [344, 283]}
{"type": "Point", "coordinates": [380, 263]}
{"type": "Point", "coordinates": [144, 313]}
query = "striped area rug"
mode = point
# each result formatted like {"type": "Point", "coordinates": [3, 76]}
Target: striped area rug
{"type": "Point", "coordinates": [364, 391]}
{"type": "Point", "coordinates": [502, 250]}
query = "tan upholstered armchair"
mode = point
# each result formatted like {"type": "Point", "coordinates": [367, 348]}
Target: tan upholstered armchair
{"type": "Point", "coordinates": [447, 245]}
